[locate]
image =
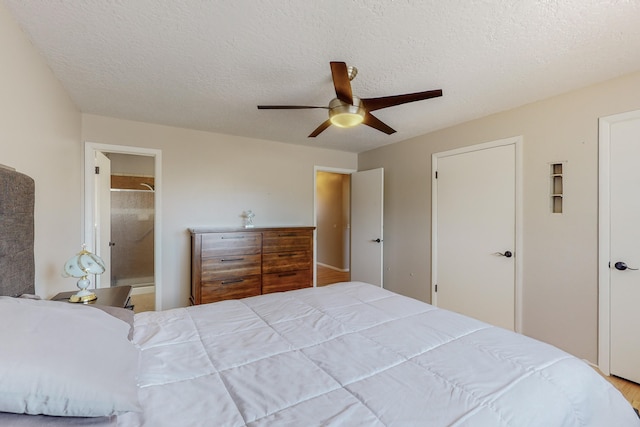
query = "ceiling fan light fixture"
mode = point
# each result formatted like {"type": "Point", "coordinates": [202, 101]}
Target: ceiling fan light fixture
{"type": "Point", "coordinates": [346, 115]}
{"type": "Point", "coordinates": [348, 111]}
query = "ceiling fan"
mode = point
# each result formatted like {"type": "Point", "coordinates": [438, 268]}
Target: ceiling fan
{"type": "Point", "coordinates": [347, 110]}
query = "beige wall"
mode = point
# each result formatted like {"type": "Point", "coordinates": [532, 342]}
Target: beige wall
{"type": "Point", "coordinates": [210, 179]}
{"type": "Point", "coordinates": [560, 251]}
{"type": "Point", "coordinates": [40, 137]}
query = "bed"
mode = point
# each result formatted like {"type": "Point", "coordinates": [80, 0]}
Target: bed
{"type": "Point", "coordinates": [349, 354]}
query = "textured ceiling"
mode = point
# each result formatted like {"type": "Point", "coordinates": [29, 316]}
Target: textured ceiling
{"type": "Point", "coordinates": [206, 64]}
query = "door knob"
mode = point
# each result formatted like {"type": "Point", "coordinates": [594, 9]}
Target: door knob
{"type": "Point", "coordinates": [507, 254]}
{"type": "Point", "coordinates": [377, 240]}
{"type": "Point", "coordinates": [622, 266]}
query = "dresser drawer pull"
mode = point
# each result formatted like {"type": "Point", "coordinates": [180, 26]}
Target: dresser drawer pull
{"type": "Point", "coordinates": [231, 259]}
{"type": "Point", "coordinates": [287, 235]}
{"type": "Point", "coordinates": [287, 274]}
{"type": "Point", "coordinates": [229, 282]}
{"type": "Point", "coordinates": [232, 237]}
{"type": "Point", "coordinates": [283, 255]}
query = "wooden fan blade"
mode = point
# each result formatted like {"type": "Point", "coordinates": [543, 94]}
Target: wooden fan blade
{"type": "Point", "coordinates": [287, 107]}
{"type": "Point", "coordinates": [372, 104]}
{"type": "Point", "coordinates": [341, 82]}
{"type": "Point", "coordinates": [320, 128]}
{"type": "Point", "coordinates": [374, 122]}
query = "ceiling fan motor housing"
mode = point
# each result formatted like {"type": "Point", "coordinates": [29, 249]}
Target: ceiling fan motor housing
{"type": "Point", "coordinates": [346, 115]}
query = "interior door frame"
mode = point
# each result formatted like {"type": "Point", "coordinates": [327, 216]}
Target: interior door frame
{"type": "Point", "coordinates": [517, 141]}
{"type": "Point", "coordinates": [317, 169]}
{"type": "Point", "coordinates": [604, 235]}
{"type": "Point", "coordinates": [90, 148]}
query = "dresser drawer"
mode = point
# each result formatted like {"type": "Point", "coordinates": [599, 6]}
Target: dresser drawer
{"type": "Point", "coordinates": [242, 287]}
{"type": "Point", "coordinates": [286, 261]}
{"type": "Point", "coordinates": [227, 266]}
{"type": "Point", "coordinates": [224, 244]}
{"type": "Point", "coordinates": [284, 241]}
{"type": "Point", "coordinates": [280, 282]}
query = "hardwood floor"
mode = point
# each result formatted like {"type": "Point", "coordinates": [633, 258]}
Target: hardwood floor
{"type": "Point", "coordinates": [630, 390]}
{"type": "Point", "coordinates": [327, 276]}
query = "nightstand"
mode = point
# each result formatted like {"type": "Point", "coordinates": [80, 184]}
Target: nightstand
{"type": "Point", "coordinates": [117, 296]}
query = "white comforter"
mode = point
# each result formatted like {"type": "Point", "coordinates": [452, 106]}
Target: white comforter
{"type": "Point", "coordinates": [356, 355]}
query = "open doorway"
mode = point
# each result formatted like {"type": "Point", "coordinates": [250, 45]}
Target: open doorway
{"type": "Point", "coordinates": [132, 217]}
{"type": "Point", "coordinates": [356, 221]}
{"type": "Point", "coordinates": [122, 218]}
{"type": "Point", "coordinates": [333, 227]}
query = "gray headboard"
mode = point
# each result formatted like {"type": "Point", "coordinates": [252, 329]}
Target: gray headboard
{"type": "Point", "coordinates": [17, 267]}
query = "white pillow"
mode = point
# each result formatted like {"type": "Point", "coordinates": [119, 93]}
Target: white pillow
{"type": "Point", "coordinates": [63, 359]}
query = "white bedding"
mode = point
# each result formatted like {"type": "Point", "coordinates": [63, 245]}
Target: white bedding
{"type": "Point", "coordinates": [353, 354]}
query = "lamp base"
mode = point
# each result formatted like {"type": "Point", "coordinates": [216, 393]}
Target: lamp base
{"type": "Point", "coordinates": [83, 298]}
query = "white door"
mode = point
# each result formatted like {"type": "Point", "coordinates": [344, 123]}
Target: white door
{"type": "Point", "coordinates": [103, 217]}
{"type": "Point", "coordinates": [367, 189]}
{"type": "Point", "coordinates": [624, 245]}
{"type": "Point", "coordinates": [474, 214]}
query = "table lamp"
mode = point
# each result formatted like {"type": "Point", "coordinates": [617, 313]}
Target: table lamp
{"type": "Point", "coordinates": [81, 265]}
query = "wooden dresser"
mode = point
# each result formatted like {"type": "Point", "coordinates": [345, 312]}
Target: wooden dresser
{"type": "Point", "coordinates": [238, 263]}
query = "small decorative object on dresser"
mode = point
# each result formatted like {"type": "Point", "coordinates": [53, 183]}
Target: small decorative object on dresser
{"type": "Point", "coordinates": [238, 263]}
{"type": "Point", "coordinates": [248, 218]}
